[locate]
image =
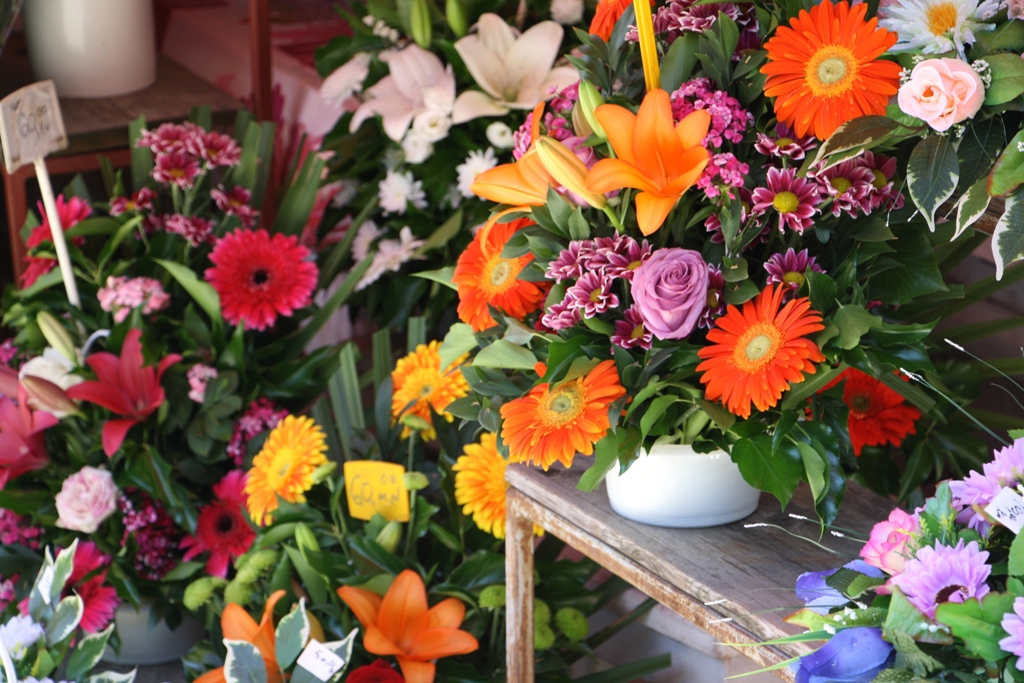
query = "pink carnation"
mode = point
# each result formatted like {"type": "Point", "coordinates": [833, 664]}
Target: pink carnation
{"type": "Point", "coordinates": [122, 295]}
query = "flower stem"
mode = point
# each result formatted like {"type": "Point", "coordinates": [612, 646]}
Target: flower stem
{"type": "Point", "coordinates": [412, 499]}
{"type": "Point", "coordinates": [614, 218]}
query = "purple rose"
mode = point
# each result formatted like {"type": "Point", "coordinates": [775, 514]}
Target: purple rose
{"type": "Point", "coordinates": [854, 655]}
{"type": "Point", "coordinates": [670, 290]}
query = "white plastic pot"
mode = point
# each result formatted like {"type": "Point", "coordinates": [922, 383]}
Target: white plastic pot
{"type": "Point", "coordinates": [92, 48]}
{"type": "Point", "coordinates": [145, 646]}
{"type": "Point", "coordinates": [674, 486]}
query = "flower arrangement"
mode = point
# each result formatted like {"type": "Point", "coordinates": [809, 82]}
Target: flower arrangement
{"type": "Point", "coordinates": [704, 260]}
{"type": "Point", "coordinates": [937, 594]}
{"type": "Point", "coordinates": [129, 419]}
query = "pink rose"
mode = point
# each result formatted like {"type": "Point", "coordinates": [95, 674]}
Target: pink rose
{"type": "Point", "coordinates": [1015, 9]}
{"type": "Point", "coordinates": [670, 290]}
{"type": "Point", "coordinates": [942, 92]}
{"type": "Point", "coordinates": [887, 546]}
{"type": "Point", "coordinates": [86, 498]}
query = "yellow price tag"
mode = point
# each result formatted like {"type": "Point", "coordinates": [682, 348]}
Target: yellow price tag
{"type": "Point", "coordinates": [376, 487]}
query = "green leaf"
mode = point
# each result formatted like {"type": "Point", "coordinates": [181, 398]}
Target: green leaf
{"type": "Point", "coordinates": [112, 677]}
{"type": "Point", "coordinates": [243, 663]}
{"type": "Point", "coordinates": [905, 618]}
{"type": "Point", "coordinates": [978, 623]}
{"type": "Point", "coordinates": [981, 145]}
{"type": "Point", "coordinates": [311, 580]}
{"type": "Point", "coordinates": [1016, 562]}
{"type": "Point", "coordinates": [441, 275]}
{"type": "Point", "coordinates": [205, 295]}
{"type": "Point", "coordinates": [854, 136]}
{"type": "Point", "coordinates": [1007, 78]}
{"type": "Point", "coordinates": [853, 323]}
{"type": "Point", "coordinates": [908, 272]}
{"type": "Point", "coordinates": [444, 234]}
{"type": "Point", "coordinates": [291, 635]}
{"type": "Point", "coordinates": [778, 474]}
{"type": "Point", "coordinates": [142, 157]}
{"type": "Point", "coordinates": [64, 620]}
{"type": "Point", "coordinates": [972, 205]}
{"type": "Point", "coordinates": [1008, 237]}
{"type": "Point", "coordinates": [606, 455]}
{"type": "Point", "coordinates": [87, 654]}
{"type": "Point", "coordinates": [932, 174]}
{"type": "Point", "coordinates": [798, 394]}
{"type": "Point", "coordinates": [183, 570]}
{"type": "Point", "coordinates": [1007, 36]}
{"type": "Point", "coordinates": [506, 356]}
{"type": "Point", "coordinates": [111, 245]}
{"type": "Point", "coordinates": [679, 61]}
{"type": "Point", "coordinates": [343, 648]}
{"type": "Point", "coordinates": [822, 289]}
{"type": "Point", "coordinates": [459, 340]}
{"type": "Point", "coordinates": [815, 468]}
{"type": "Point", "coordinates": [1008, 171]}
{"type": "Point", "coordinates": [90, 227]}
{"type": "Point", "coordinates": [722, 417]}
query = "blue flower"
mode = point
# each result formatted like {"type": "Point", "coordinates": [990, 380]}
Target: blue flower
{"type": "Point", "coordinates": [819, 596]}
{"type": "Point", "coordinates": [854, 655]}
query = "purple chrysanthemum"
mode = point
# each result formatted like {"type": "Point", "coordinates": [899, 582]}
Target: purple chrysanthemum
{"type": "Point", "coordinates": [561, 316]}
{"type": "Point", "coordinates": [793, 198]}
{"type": "Point", "coordinates": [1013, 623]}
{"type": "Point", "coordinates": [630, 331]}
{"type": "Point", "coordinates": [849, 184]}
{"type": "Point", "coordinates": [944, 574]}
{"type": "Point", "coordinates": [1007, 467]}
{"type": "Point", "coordinates": [715, 305]}
{"type": "Point", "coordinates": [571, 263]}
{"type": "Point", "coordinates": [623, 258]}
{"type": "Point", "coordinates": [592, 294]}
{"type": "Point", "coordinates": [784, 144]}
{"type": "Point", "coordinates": [974, 490]}
{"type": "Point", "coordinates": [790, 269]}
{"type": "Point", "coordinates": [884, 194]}
{"type": "Point", "coordinates": [713, 223]}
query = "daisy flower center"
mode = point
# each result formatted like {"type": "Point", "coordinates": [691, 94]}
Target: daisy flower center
{"type": "Point", "coordinates": [880, 180]}
{"type": "Point", "coordinates": [595, 296]}
{"type": "Point", "coordinates": [225, 523]}
{"type": "Point", "coordinates": [831, 71]}
{"type": "Point", "coordinates": [860, 403]}
{"type": "Point", "coordinates": [563, 405]}
{"type": "Point", "coordinates": [713, 298]}
{"type": "Point", "coordinates": [177, 173]}
{"type": "Point", "coordinates": [942, 18]}
{"type": "Point", "coordinates": [757, 347]}
{"type": "Point", "coordinates": [786, 202]}
{"type": "Point", "coordinates": [841, 184]}
{"type": "Point", "coordinates": [949, 591]}
{"type": "Point", "coordinates": [280, 473]}
{"type": "Point", "coordinates": [785, 142]}
{"type": "Point", "coordinates": [637, 332]}
{"type": "Point", "coordinates": [500, 273]}
{"type": "Point", "coordinates": [259, 277]}
{"type": "Point", "coordinates": [794, 278]}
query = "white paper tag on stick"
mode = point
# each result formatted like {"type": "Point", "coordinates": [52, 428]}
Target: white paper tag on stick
{"type": "Point", "coordinates": [319, 661]}
{"type": "Point", "coordinates": [1007, 508]}
{"type": "Point", "coordinates": [46, 584]}
{"type": "Point", "coordinates": [31, 125]}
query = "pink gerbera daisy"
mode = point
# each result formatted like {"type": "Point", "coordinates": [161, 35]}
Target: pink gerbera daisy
{"type": "Point", "coordinates": [221, 529]}
{"type": "Point", "coordinates": [260, 276]}
{"type": "Point", "coordinates": [792, 197]}
{"type": "Point", "coordinates": [87, 578]}
{"type": "Point", "coordinates": [176, 168]}
{"type": "Point", "coordinates": [71, 212]}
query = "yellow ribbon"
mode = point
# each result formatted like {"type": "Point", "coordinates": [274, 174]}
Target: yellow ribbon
{"type": "Point", "coordinates": [648, 49]}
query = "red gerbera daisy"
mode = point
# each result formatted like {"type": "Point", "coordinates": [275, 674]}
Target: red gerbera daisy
{"type": "Point", "coordinates": [260, 276]}
{"type": "Point", "coordinates": [878, 415]}
{"type": "Point", "coordinates": [221, 528]}
{"type": "Point", "coordinates": [99, 601]}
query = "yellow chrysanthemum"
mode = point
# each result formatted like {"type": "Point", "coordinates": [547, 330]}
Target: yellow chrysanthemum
{"type": "Point", "coordinates": [418, 384]}
{"type": "Point", "coordinates": [285, 466]}
{"type": "Point", "coordinates": [480, 485]}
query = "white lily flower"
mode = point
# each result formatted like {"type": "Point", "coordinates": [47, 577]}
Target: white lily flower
{"type": "Point", "coordinates": [418, 81]}
{"type": "Point", "coordinates": [514, 72]}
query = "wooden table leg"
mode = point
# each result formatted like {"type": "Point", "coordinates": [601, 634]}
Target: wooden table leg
{"type": "Point", "coordinates": [519, 584]}
{"type": "Point", "coordinates": [17, 208]}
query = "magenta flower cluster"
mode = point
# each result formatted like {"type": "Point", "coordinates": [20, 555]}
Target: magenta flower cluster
{"type": "Point", "coordinates": [14, 531]}
{"type": "Point", "coordinates": [556, 122]}
{"type": "Point", "coordinates": [729, 120]}
{"type": "Point", "coordinates": [184, 151]}
{"type": "Point", "coordinates": [122, 295]}
{"type": "Point", "coordinates": [261, 416]}
{"type": "Point", "coordinates": [155, 533]}
{"type": "Point", "coordinates": [199, 376]}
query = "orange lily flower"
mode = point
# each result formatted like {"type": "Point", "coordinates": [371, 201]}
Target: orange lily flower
{"type": "Point", "coordinates": [660, 158]}
{"type": "Point", "coordinates": [236, 624]}
{"type": "Point", "coordinates": [400, 624]}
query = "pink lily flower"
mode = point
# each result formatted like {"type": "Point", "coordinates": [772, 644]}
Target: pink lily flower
{"type": "Point", "coordinates": [21, 438]}
{"type": "Point", "coordinates": [124, 387]}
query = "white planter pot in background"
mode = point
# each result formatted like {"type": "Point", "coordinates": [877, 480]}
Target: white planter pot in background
{"type": "Point", "coordinates": [675, 487]}
{"type": "Point", "coordinates": [145, 646]}
{"type": "Point", "coordinates": [92, 48]}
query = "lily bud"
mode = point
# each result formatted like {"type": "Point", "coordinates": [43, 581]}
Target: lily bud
{"type": "Point", "coordinates": [306, 539]}
{"type": "Point", "coordinates": [580, 125]}
{"type": "Point", "coordinates": [589, 100]}
{"type": "Point", "coordinates": [389, 536]}
{"type": "Point", "coordinates": [415, 481]}
{"type": "Point", "coordinates": [455, 13]}
{"type": "Point", "coordinates": [415, 422]}
{"type": "Point", "coordinates": [56, 335]}
{"type": "Point", "coordinates": [567, 169]}
{"type": "Point", "coordinates": [321, 473]}
{"type": "Point", "coordinates": [419, 24]}
{"type": "Point", "coordinates": [45, 395]}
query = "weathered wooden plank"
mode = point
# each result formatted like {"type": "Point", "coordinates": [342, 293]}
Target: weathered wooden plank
{"type": "Point", "coordinates": [519, 590]}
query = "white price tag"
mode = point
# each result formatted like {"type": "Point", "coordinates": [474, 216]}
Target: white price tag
{"type": "Point", "coordinates": [31, 125]}
{"type": "Point", "coordinates": [46, 584]}
{"type": "Point", "coordinates": [1007, 508]}
{"type": "Point", "coordinates": [319, 661]}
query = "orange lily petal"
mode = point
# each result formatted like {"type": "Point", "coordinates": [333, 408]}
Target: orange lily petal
{"type": "Point", "coordinates": [614, 174]}
{"type": "Point", "coordinates": [448, 613]}
{"type": "Point", "coordinates": [442, 642]}
{"type": "Point", "coordinates": [655, 143]}
{"type": "Point", "coordinates": [618, 122]}
{"type": "Point", "coordinates": [416, 672]}
{"type": "Point", "coordinates": [696, 159]}
{"type": "Point", "coordinates": [505, 184]}
{"type": "Point", "coordinates": [693, 128]}
{"type": "Point", "coordinates": [652, 210]}
{"type": "Point", "coordinates": [379, 644]}
{"type": "Point", "coordinates": [404, 608]}
{"type": "Point", "coordinates": [363, 603]}
{"type": "Point", "coordinates": [236, 624]}
{"type": "Point", "coordinates": [214, 676]}
{"type": "Point", "coordinates": [264, 637]}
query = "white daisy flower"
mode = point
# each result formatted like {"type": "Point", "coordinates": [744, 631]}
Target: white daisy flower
{"type": "Point", "coordinates": [368, 232]}
{"type": "Point", "coordinates": [19, 634]}
{"type": "Point", "coordinates": [937, 26]}
{"type": "Point", "coordinates": [500, 135]}
{"type": "Point", "coordinates": [398, 190]}
{"type": "Point", "coordinates": [476, 163]}
{"type": "Point", "coordinates": [390, 256]}
{"type": "Point", "coordinates": [432, 124]}
{"type": "Point", "coordinates": [416, 148]}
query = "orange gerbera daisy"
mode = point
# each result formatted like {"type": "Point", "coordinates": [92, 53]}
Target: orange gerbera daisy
{"type": "Point", "coordinates": [418, 384]}
{"type": "Point", "coordinates": [480, 485]}
{"type": "Point", "coordinates": [284, 467]}
{"type": "Point", "coordinates": [824, 69]}
{"type": "Point", "coordinates": [878, 414]}
{"type": "Point", "coordinates": [556, 423]}
{"type": "Point", "coordinates": [485, 279]}
{"type": "Point", "coordinates": [607, 13]}
{"type": "Point", "coordinates": [757, 353]}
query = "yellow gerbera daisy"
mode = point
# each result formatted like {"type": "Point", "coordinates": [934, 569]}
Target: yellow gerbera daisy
{"type": "Point", "coordinates": [285, 466]}
{"type": "Point", "coordinates": [480, 485]}
{"type": "Point", "coordinates": [418, 384]}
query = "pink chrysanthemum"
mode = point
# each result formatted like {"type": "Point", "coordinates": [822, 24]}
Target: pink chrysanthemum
{"type": "Point", "coordinates": [571, 262]}
{"type": "Point", "coordinates": [630, 332]}
{"type": "Point", "coordinates": [176, 168]}
{"type": "Point", "coordinates": [194, 229]}
{"type": "Point", "coordinates": [884, 194]}
{"type": "Point", "coordinates": [261, 276]}
{"type": "Point", "coordinates": [623, 258]}
{"type": "Point", "coordinates": [168, 137]}
{"type": "Point", "coordinates": [944, 574]}
{"type": "Point", "coordinates": [1013, 624]}
{"type": "Point", "coordinates": [71, 212]}
{"type": "Point", "coordinates": [236, 203]}
{"type": "Point", "coordinates": [785, 144]}
{"type": "Point", "coordinates": [715, 305]}
{"type": "Point", "coordinates": [592, 294]}
{"type": "Point", "coordinates": [561, 316]}
{"type": "Point", "coordinates": [848, 184]}
{"type": "Point", "coordinates": [221, 529]}
{"type": "Point", "coordinates": [140, 201]}
{"type": "Point", "coordinates": [790, 269]}
{"type": "Point", "coordinates": [794, 199]}
{"type": "Point", "coordinates": [713, 224]}
{"type": "Point", "coordinates": [216, 149]}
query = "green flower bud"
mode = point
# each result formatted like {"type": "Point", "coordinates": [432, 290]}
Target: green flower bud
{"type": "Point", "coordinates": [248, 574]}
{"type": "Point", "coordinates": [493, 597]}
{"type": "Point", "coordinates": [390, 536]}
{"type": "Point", "coordinates": [455, 13]}
{"type": "Point", "coordinates": [199, 592]}
{"type": "Point", "coordinates": [543, 637]}
{"type": "Point", "coordinates": [415, 422]}
{"type": "Point", "coordinates": [572, 623]}
{"type": "Point", "coordinates": [415, 481]}
{"type": "Point", "coordinates": [420, 25]}
{"type": "Point", "coordinates": [57, 335]}
{"type": "Point", "coordinates": [541, 612]}
{"type": "Point", "coordinates": [264, 560]}
{"type": "Point", "coordinates": [322, 473]}
{"type": "Point", "coordinates": [589, 100]}
{"type": "Point", "coordinates": [238, 593]}
{"type": "Point", "coordinates": [306, 539]}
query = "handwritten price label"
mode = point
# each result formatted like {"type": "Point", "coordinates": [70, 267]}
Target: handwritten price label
{"type": "Point", "coordinates": [376, 487]}
{"type": "Point", "coordinates": [319, 661]}
{"type": "Point", "coordinates": [31, 125]}
{"type": "Point", "coordinates": [1007, 508]}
